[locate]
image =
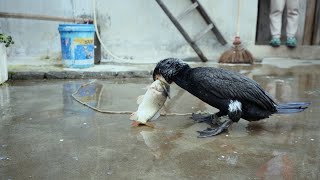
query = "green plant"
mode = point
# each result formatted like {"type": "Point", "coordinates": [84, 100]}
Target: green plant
{"type": "Point", "coordinates": [7, 40]}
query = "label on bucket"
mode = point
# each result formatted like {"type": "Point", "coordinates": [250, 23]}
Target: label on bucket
{"type": "Point", "coordinates": [84, 48]}
{"type": "Point", "coordinates": [83, 40]}
{"type": "Point", "coordinates": [84, 52]}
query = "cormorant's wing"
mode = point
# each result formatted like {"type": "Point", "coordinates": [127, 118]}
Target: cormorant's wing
{"type": "Point", "coordinates": [230, 85]}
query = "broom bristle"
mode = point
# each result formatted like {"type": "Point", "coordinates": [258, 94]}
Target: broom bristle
{"type": "Point", "coordinates": [237, 54]}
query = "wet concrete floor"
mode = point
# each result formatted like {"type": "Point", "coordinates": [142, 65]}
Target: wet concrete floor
{"type": "Point", "coordinates": [46, 134]}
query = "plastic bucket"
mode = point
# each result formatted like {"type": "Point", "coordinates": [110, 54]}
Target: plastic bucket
{"type": "Point", "coordinates": [77, 45]}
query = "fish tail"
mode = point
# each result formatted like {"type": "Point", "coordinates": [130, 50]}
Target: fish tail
{"type": "Point", "coordinates": [292, 107]}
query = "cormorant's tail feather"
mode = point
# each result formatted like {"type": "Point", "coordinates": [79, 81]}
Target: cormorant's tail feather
{"type": "Point", "coordinates": [292, 107]}
{"type": "Point", "coordinates": [288, 111]}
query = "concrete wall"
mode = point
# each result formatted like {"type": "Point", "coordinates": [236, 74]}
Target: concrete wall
{"type": "Point", "coordinates": [35, 38]}
{"type": "Point", "coordinates": [137, 30]}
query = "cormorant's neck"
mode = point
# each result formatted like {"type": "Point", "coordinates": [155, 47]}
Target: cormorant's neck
{"type": "Point", "coordinates": [181, 79]}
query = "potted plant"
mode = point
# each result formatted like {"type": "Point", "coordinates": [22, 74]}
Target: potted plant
{"type": "Point", "coordinates": [5, 41]}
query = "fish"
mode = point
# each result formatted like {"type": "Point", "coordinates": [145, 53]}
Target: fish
{"type": "Point", "coordinates": [150, 104]}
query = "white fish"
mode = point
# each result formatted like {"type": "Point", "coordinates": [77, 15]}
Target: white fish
{"type": "Point", "coordinates": [150, 103]}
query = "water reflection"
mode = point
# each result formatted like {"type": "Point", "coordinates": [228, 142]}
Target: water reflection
{"type": "Point", "coordinates": [289, 84]}
{"type": "Point", "coordinates": [4, 95]}
{"type": "Point", "coordinates": [159, 141]}
{"type": "Point", "coordinates": [69, 88]}
{"type": "Point", "coordinates": [279, 167]}
{"type": "Point", "coordinates": [4, 101]}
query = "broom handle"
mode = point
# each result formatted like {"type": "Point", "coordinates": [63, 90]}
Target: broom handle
{"type": "Point", "coordinates": [238, 18]}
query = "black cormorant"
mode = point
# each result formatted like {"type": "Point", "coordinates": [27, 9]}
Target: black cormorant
{"type": "Point", "coordinates": [234, 94]}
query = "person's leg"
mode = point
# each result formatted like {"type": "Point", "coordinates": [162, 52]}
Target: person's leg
{"type": "Point", "coordinates": [292, 22]}
{"type": "Point", "coordinates": [276, 10]}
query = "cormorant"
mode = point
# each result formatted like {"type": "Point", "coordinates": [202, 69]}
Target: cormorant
{"type": "Point", "coordinates": [234, 94]}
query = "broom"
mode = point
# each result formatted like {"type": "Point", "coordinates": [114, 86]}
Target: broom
{"type": "Point", "coordinates": [237, 54]}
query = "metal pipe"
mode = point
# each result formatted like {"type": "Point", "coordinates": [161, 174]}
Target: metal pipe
{"type": "Point", "coordinates": [43, 17]}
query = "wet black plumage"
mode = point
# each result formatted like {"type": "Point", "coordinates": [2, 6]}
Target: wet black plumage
{"type": "Point", "coordinates": [220, 88]}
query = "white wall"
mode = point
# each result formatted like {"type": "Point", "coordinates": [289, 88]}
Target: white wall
{"type": "Point", "coordinates": [135, 29]}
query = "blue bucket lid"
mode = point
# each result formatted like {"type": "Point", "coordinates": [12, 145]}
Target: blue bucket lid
{"type": "Point", "coordinates": [76, 27]}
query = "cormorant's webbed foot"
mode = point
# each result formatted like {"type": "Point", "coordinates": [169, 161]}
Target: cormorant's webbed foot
{"type": "Point", "coordinates": [210, 119]}
{"type": "Point", "coordinates": [215, 131]}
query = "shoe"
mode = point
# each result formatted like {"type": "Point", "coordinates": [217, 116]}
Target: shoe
{"type": "Point", "coordinates": [275, 42]}
{"type": "Point", "coordinates": [291, 42]}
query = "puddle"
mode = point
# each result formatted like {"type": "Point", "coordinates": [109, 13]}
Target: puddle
{"type": "Point", "coordinates": [45, 133]}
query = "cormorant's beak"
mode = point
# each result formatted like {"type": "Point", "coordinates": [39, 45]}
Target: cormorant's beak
{"type": "Point", "coordinates": [167, 91]}
{"type": "Point", "coordinates": [164, 85]}
{"type": "Point", "coordinates": [155, 74]}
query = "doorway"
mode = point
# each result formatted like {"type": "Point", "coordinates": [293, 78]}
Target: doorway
{"type": "Point", "coordinates": [309, 23]}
